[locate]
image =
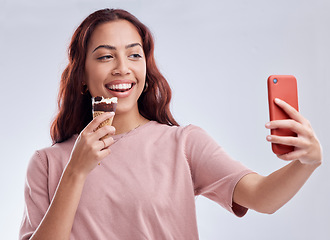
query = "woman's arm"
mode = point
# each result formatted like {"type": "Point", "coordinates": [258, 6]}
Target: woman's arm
{"type": "Point", "coordinates": [268, 194]}
{"type": "Point", "coordinates": [86, 154]}
{"type": "Point", "coordinates": [58, 220]}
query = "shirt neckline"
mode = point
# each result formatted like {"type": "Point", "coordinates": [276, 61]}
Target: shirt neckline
{"type": "Point", "coordinates": [133, 131]}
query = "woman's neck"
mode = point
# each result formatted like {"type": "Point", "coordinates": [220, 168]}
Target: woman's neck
{"type": "Point", "coordinates": [126, 122]}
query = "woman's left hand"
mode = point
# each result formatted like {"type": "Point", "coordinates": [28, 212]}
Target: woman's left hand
{"type": "Point", "coordinates": [307, 149]}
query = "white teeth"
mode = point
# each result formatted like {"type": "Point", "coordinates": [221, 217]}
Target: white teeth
{"type": "Point", "coordinates": [121, 86]}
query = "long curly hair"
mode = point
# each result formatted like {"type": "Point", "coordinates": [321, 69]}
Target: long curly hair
{"type": "Point", "coordinates": [75, 108]}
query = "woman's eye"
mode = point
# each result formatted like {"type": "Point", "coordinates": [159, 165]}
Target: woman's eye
{"type": "Point", "coordinates": [135, 55]}
{"type": "Point", "coordinates": [104, 58]}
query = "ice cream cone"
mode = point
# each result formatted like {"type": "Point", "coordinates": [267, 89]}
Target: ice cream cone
{"type": "Point", "coordinates": [101, 105]}
{"type": "Point", "coordinates": [104, 123]}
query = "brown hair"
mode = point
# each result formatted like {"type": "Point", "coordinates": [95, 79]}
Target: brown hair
{"type": "Point", "coordinates": [75, 108]}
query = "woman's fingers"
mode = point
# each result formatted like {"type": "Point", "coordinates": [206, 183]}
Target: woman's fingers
{"type": "Point", "coordinates": [291, 124]}
{"type": "Point", "coordinates": [106, 142]}
{"type": "Point", "coordinates": [307, 147]}
{"type": "Point", "coordinates": [292, 156]}
{"type": "Point", "coordinates": [92, 144]}
{"type": "Point", "coordinates": [102, 137]}
{"type": "Point", "coordinates": [92, 126]}
{"type": "Point", "coordinates": [291, 111]}
{"type": "Point", "coordinates": [104, 131]}
{"type": "Point", "coordinates": [290, 141]}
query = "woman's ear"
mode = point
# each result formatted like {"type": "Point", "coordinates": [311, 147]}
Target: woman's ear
{"type": "Point", "coordinates": [84, 88]}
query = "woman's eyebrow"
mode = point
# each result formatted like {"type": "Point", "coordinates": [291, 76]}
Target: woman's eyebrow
{"type": "Point", "coordinates": [114, 48]}
{"type": "Point", "coordinates": [133, 45]}
{"type": "Point", "coordinates": [105, 46]}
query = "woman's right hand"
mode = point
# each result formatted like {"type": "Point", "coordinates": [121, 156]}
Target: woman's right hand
{"type": "Point", "coordinates": [89, 149]}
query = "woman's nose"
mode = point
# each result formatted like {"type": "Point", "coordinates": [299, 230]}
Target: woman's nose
{"type": "Point", "coordinates": [122, 67]}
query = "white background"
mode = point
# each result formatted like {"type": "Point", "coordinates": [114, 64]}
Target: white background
{"type": "Point", "coordinates": [216, 56]}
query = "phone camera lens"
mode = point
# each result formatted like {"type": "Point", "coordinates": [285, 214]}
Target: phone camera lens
{"type": "Point", "coordinates": [275, 80]}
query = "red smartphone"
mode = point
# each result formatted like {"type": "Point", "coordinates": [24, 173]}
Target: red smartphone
{"type": "Point", "coordinates": [283, 87]}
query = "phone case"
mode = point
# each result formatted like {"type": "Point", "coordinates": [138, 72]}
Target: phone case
{"type": "Point", "coordinates": [285, 88]}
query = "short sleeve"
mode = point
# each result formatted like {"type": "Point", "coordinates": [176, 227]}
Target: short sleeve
{"type": "Point", "coordinates": [214, 173]}
{"type": "Point", "coordinates": [35, 194]}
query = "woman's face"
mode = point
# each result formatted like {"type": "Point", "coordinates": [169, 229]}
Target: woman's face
{"type": "Point", "coordinates": [115, 64]}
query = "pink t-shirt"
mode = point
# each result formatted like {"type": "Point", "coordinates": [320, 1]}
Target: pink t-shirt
{"type": "Point", "coordinates": [145, 189]}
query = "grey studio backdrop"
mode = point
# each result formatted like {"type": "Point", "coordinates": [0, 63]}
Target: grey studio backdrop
{"type": "Point", "coordinates": [216, 56]}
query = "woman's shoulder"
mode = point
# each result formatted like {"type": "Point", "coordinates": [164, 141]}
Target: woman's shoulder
{"type": "Point", "coordinates": [56, 151]}
{"type": "Point", "coordinates": [60, 147]}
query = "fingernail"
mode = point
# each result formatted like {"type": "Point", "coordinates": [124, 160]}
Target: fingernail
{"type": "Point", "coordinates": [277, 100]}
{"type": "Point", "coordinates": [267, 125]}
{"type": "Point", "coordinates": [269, 138]}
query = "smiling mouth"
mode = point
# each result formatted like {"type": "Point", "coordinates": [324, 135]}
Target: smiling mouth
{"type": "Point", "coordinates": [123, 87]}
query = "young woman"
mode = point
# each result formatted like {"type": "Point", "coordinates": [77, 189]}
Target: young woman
{"type": "Point", "coordinates": [141, 182]}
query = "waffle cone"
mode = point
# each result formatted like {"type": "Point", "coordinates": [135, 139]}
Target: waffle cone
{"type": "Point", "coordinates": [104, 123]}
